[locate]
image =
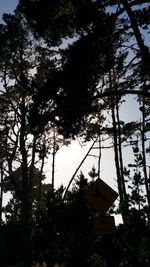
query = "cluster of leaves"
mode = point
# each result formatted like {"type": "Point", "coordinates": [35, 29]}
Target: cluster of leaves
{"type": "Point", "coordinates": [72, 82]}
{"type": "Point", "coordinates": [56, 75]}
{"type": "Point", "coordinates": [63, 232]}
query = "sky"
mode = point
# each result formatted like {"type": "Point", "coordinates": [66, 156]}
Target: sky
{"type": "Point", "coordinates": [7, 6]}
{"type": "Point", "coordinates": [68, 158]}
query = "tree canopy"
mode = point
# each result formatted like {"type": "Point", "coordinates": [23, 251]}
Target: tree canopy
{"type": "Point", "coordinates": [65, 67]}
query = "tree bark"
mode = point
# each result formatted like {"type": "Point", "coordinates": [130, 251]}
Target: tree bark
{"type": "Point", "coordinates": [144, 156]}
{"type": "Point", "coordinates": [53, 160]}
{"type": "Point", "coordinates": [115, 137]}
{"type": "Point", "coordinates": [40, 184]}
{"type": "Point", "coordinates": [26, 205]}
{"type": "Point", "coordinates": [120, 152]}
{"type": "Point", "coordinates": [1, 193]}
{"type": "Point", "coordinates": [99, 158]}
{"type": "Point", "coordinates": [134, 25]}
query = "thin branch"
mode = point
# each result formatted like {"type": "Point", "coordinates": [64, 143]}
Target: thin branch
{"type": "Point", "coordinates": [132, 4]}
{"type": "Point", "coordinates": [103, 147]}
{"type": "Point", "coordinates": [99, 157]}
{"type": "Point", "coordinates": [122, 93]}
{"type": "Point", "coordinates": [72, 178]}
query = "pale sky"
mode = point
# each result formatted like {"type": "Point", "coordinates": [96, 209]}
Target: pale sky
{"type": "Point", "coordinates": [68, 158]}
{"type": "Point", "coordinates": [7, 6]}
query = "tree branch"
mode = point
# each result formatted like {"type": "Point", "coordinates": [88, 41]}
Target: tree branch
{"type": "Point", "coordinates": [71, 180]}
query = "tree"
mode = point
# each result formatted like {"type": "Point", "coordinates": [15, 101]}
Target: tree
{"type": "Point", "coordinates": [8, 187]}
{"type": "Point", "coordinates": [89, 45]}
{"type": "Point", "coordinates": [22, 143]}
{"type": "Point", "coordinates": [99, 62]}
{"type": "Point", "coordinates": [2, 160]}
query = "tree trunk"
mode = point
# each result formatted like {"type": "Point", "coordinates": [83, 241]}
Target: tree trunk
{"type": "Point", "coordinates": [40, 185]}
{"type": "Point", "coordinates": [99, 158]}
{"type": "Point", "coordinates": [120, 152]}
{"type": "Point", "coordinates": [1, 193]}
{"type": "Point", "coordinates": [135, 28]}
{"type": "Point", "coordinates": [53, 160]}
{"type": "Point", "coordinates": [144, 156]}
{"type": "Point", "coordinates": [115, 137]}
{"type": "Point", "coordinates": [26, 205]}
{"type": "Point", "coordinates": [31, 174]}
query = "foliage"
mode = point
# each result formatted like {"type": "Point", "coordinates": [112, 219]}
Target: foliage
{"type": "Point", "coordinates": [63, 232]}
{"type": "Point", "coordinates": [64, 66]}
{"type": "Point", "coordinates": [83, 59]}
